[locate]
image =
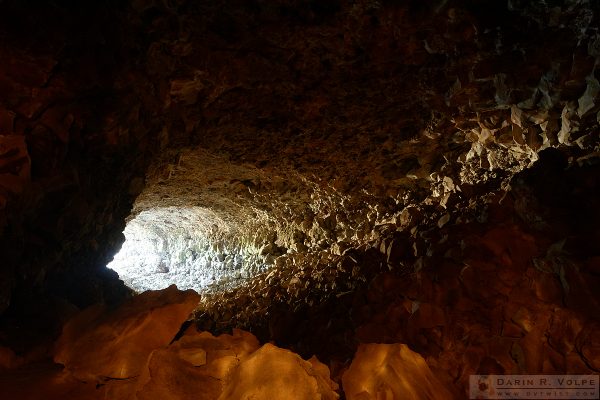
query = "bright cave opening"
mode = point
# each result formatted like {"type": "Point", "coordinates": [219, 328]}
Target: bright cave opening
{"type": "Point", "coordinates": [197, 225]}
{"type": "Point", "coordinates": [190, 247]}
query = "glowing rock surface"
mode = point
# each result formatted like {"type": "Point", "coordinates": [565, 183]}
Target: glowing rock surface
{"type": "Point", "coordinates": [390, 372]}
{"type": "Point", "coordinates": [99, 343]}
{"type": "Point", "coordinates": [274, 373]}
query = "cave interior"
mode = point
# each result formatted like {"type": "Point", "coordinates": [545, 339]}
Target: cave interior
{"type": "Point", "coordinates": [297, 199]}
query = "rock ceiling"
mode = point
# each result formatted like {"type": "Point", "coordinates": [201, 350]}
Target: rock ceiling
{"type": "Point", "coordinates": [331, 129]}
{"type": "Point", "coordinates": [297, 127]}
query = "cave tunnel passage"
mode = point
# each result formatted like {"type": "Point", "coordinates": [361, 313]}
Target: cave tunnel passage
{"type": "Point", "coordinates": [190, 247]}
{"type": "Point", "coordinates": [207, 223]}
{"type": "Point", "coordinates": [194, 227]}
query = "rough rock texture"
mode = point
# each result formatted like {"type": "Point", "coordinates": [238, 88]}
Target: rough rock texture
{"type": "Point", "coordinates": [271, 372]}
{"type": "Point", "coordinates": [199, 363]}
{"type": "Point", "coordinates": [135, 352]}
{"type": "Point", "coordinates": [62, 202]}
{"type": "Point", "coordinates": [513, 291]}
{"type": "Point", "coordinates": [99, 344]}
{"type": "Point", "coordinates": [293, 127]}
{"type": "Point", "coordinates": [304, 129]}
{"type": "Point", "coordinates": [390, 371]}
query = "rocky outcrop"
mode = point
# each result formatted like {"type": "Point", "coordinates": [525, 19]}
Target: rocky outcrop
{"type": "Point", "coordinates": [99, 344]}
{"type": "Point", "coordinates": [136, 352]}
{"type": "Point", "coordinates": [271, 372]}
{"type": "Point", "coordinates": [391, 372]}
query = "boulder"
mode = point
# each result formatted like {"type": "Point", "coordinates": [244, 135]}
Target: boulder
{"type": "Point", "coordinates": [98, 343]}
{"type": "Point", "coordinates": [274, 373]}
{"type": "Point", "coordinates": [390, 371]}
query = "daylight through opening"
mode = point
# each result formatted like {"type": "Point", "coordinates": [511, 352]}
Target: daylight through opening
{"type": "Point", "coordinates": [190, 247]}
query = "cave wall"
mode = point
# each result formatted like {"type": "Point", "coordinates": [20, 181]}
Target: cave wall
{"type": "Point", "coordinates": [64, 191]}
{"type": "Point", "coordinates": [512, 292]}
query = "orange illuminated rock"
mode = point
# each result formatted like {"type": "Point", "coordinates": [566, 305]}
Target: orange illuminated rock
{"type": "Point", "coordinates": [390, 371]}
{"type": "Point", "coordinates": [203, 366]}
{"type": "Point", "coordinates": [8, 358]}
{"type": "Point", "coordinates": [215, 356]}
{"type": "Point", "coordinates": [101, 344]}
{"type": "Point", "coordinates": [274, 373]}
{"type": "Point", "coordinates": [128, 350]}
{"type": "Point", "coordinates": [192, 367]}
{"type": "Point", "coordinates": [171, 377]}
